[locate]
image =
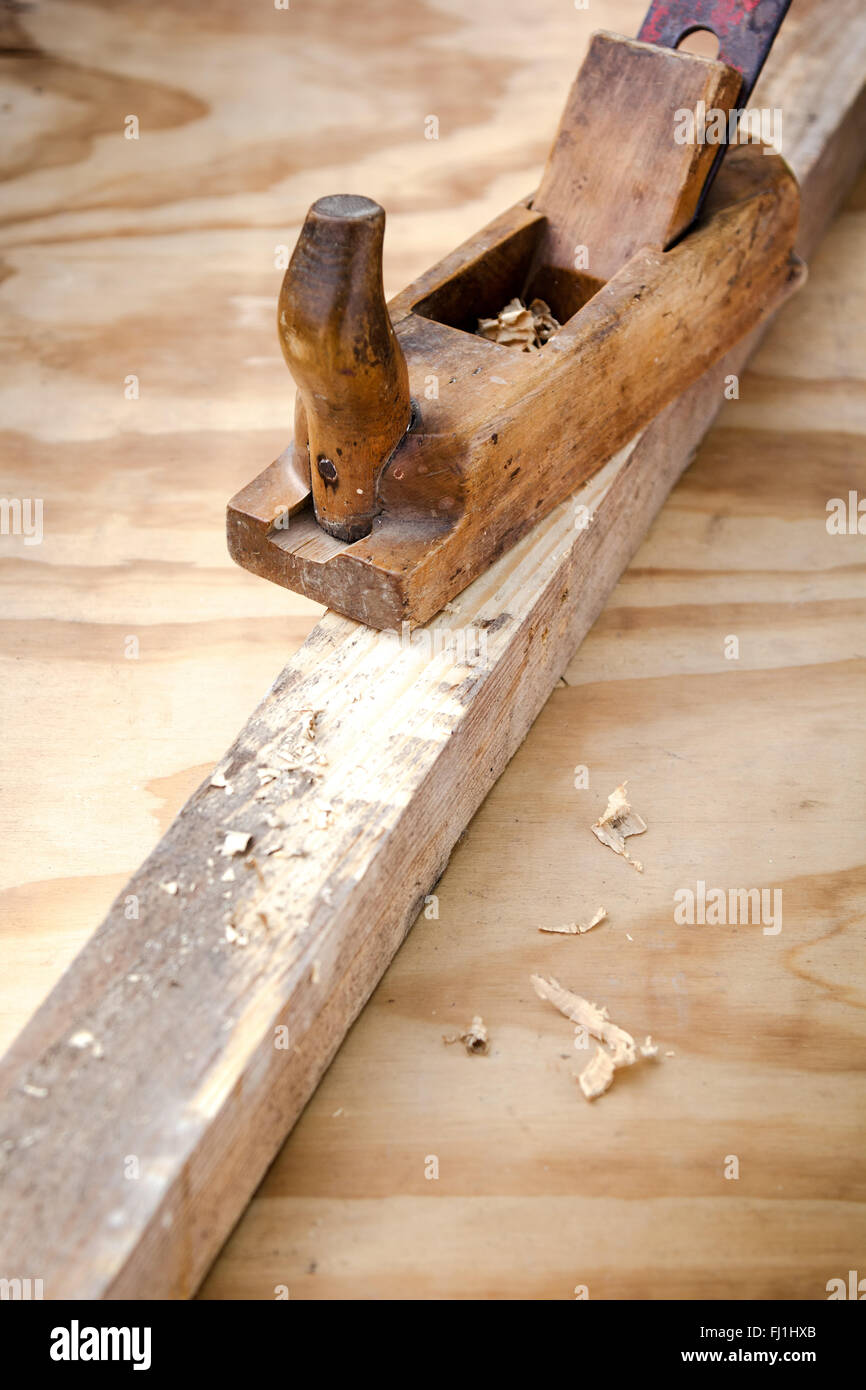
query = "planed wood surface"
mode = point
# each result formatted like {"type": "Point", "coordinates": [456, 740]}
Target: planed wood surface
{"type": "Point", "coordinates": [381, 1193]}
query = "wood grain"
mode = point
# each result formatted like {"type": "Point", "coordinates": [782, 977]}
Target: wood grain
{"type": "Point", "coordinates": [173, 242]}
{"type": "Point", "coordinates": [740, 769]}
{"type": "Point", "coordinates": [616, 181]}
{"type": "Point", "coordinates": [339, 344]}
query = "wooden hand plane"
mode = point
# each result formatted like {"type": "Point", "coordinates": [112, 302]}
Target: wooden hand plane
{"type": "Point", "coordinates": [423, 450]}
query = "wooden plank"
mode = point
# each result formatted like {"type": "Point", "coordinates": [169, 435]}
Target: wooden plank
{"type": "Point", "coordinates": [208, 1106]}
{"type": "Point", "coordinates": [738, 767]}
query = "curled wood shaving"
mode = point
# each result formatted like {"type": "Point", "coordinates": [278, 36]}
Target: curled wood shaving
{"type": "Point", "coordinates": [586, 1015]}
{"type": "Point", "coordinates": [474, 1039]}
{"type": "Point", "coordinates": [619, 821]}
{"type": "Point", "coordinates": [649, 1048]}
{"type": "Point", "coordinates": [519, 326]}
{"type": "Point", "coordinates": [598, 1074]}
{"type": "Point", "coordinates": [577, 928]}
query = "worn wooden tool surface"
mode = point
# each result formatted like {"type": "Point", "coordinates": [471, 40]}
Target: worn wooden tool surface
{"type": "Point", "coordinates": [499, 437]}
{"type": "Point", "coordinates": [509, 435]}
{"type": "Point", "coordinates": [338, 342]}
{"type": "Point", "coordinates": [601, 187]}
{"type": "Point", "coordinates": [700, 1258]}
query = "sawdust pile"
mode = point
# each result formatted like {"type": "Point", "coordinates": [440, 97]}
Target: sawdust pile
{"type": "Point", "coordinates": [618, 822]}
{"type": "Point", "coordinates": [520, 326]}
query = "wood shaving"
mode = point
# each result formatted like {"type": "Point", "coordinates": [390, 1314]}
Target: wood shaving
{"type": "Point", "coordinates": [619, 821]}
{"type": "Point", "coordinates": [290, 760]}
{"type": "Point", "coordinates": [577, 928]}
{"type": "Point", "coordinates": [311, 721]}
{"type": "Point", "coordinates": [519, 326]}
{"type": "Point", "coordinates": [169, 888]}
{"type": "Point", "coordinates": [598, 1074]}
{"type": "Point", "coordinates": [37, 1092]}
{"type": "Point", "coordinates": [218, 779]}
{"type": "Point", "coordinates": [85, 1040]}
{"type": "Point", "coordinates": [293, 754]}
{"type": "Point", "coordinates": [649, 1048]}
{"type": "Point", "coordinates": [474, 1039]}
{"type": "Point", "coordinates": [586, 1015]}
{"type": "Point", "coordinates": [236, 842]}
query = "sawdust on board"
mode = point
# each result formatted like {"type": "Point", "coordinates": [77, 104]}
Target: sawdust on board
{"type": "Point", "coordinates": [577, 928]}
{"type": "Point", "coordinates": [474, 1039]}
{"type": "Point", "coordinates": [618, 1047]}
{"type": "Point", "coordinates": [84, 1041]}
{"type": "Point", "coordinates": [518, 325]}
{"type": "Point", "coordinates": [617, 823]}
{"type": "Point", "coordinates": [235, 842]}
{"type": "Point", "coordinates": [36, 1092]}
